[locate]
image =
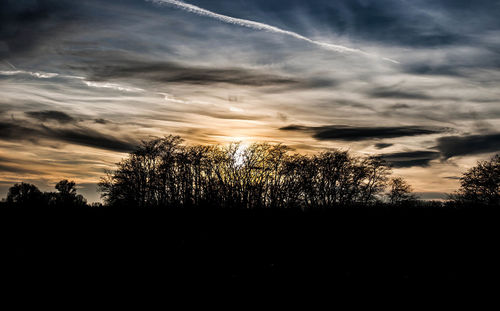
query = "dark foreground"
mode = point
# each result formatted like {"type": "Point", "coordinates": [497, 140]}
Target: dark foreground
{"type": "Point", "coordinates": [261, 247]}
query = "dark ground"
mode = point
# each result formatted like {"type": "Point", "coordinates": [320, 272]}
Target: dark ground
{"type": "Point", "coordinates": [262, 247]}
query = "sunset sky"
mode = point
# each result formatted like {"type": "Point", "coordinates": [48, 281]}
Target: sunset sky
{"type": "Point", "coordinates": [82, 82]}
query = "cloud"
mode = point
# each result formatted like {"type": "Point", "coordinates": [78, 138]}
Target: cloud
{"type": "Point", "coordinates": [432, 195]}
{"type": "Point", "coordinates": [451, 146]}
{"type": "Point", "coordinates": [253, 25]}
{"type": "Point", "coordinates": [113, 86]}
{"type": "Point", "coordinates": [398, 94]}
{"type": "Point", "coordinates": [101, 121]}
{"type": "Point", "coordinates": [393, 22]}
{"type": "Point", "coordinates": [433, 70]}
{"type": "Point", "coordinates": [229, 115]}
{"type": "Point", "coordinates": [383, 145]}
{"type": "Point", "coordinates": [15, 166]}
{"type": "Point", "coordinates": [101, 67]}
{"type": "Point", "coordinates": [167, 72]}
{"type": "Point", "coordinates": [353, 133]}
{"type": "Point", "coordinates": [25, 26]}
{"type": "Point", "coordinates": [51, 115]}
{"type": "Point", "coordinates": [74, 135]}
{"type": "Point", "coordinates": [50, 75]}
{"type": "Point", "coordinates": [411, 158]}
{"type": "Point", "coordinates": [36, 74]}
{"type": "Point", "coordinates": [91, 138]}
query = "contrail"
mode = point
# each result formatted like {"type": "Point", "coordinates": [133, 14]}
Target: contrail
{"type": "Point", "coordinates": [8, 63]}
{"type": "Point", "coordinates": [254, 25]}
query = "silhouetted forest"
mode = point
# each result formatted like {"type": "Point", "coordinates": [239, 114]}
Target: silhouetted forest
{"type": "Point", "coordinates": [164, 172]}
{"type": "Point", "coordinates": [254, 214]}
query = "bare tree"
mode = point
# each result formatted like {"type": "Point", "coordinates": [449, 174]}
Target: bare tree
{"type": "Point", "coordinates": [481, 184]}
{"type": "Point", "coordinates": [400, 191]}
{"type": "Point", "coordinates": [163, 172]}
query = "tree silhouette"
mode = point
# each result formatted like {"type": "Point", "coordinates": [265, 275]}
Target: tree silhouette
{"type": "Point", "coordinates": [163, 172]}
{"type": "Point", "coordinates": [400, 191]}
{"type": "Point", "coordinates": [481, 184]}
{"type": "Point", "coordinates": [24, 195]}
{"type": "Point", "coordinates": [67, 196]}
{"type": "Point", "coordinates": [66, 188]}
{"type": "Point", "coordinates": [28, 195]}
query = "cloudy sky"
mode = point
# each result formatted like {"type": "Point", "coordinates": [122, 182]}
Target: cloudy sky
{"type": "Point", "coordinates": [82, 82]}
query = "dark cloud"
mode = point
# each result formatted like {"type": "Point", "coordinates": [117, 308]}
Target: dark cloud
{"type": "Point", "coordinates": [75, 135]}
{"type": "Point", "coordinates": [451, 146]}
{"type": "Point", "coordinates": [105, 66]}
{"type": "Point", "coordinates": [397, 94]}
{"type": "Point", "coordinates": [433, 70]}
{"type": "Point", "coordinates": [35, 27]}
{"type": "Point", "coordinates": [101, 121]}
{"type": "Point", "coordinates": [411, 158]}
{"type": "Point", "coordinates": [383, 145]}
{"type": "Point", "coordinates": [25, 26]}
{"type": "Point", "coordinates": [400, 106]}
{"type": "Point", "coordinates": [13, 165]}
{"type": "Point", "coordinates": [51, 115]}
{"type": "Point", "coordinates": [91, 138]}
{"type": "Point", "coordinates": [16, 169]}
{"type": "Point", "coordinates": [352, 133]}
{"type": "Point", "coordinates": [11, 131]}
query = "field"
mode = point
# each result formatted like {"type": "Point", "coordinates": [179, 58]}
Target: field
{"type": "Point", "coordinates": [335, 246]}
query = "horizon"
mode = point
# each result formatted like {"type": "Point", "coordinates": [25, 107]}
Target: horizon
{"type": "Point", "coordinates": [81, 84]}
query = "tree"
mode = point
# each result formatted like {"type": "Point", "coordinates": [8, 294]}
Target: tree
{"type": "Point", "coordinates": [400, 191]}
{"type": "Point", "coordinates": [375, 173]}
{"type": "Point", "coordinates": [67, 196]}
{"type": "Point", "coordinates": [28, 195]}
{"type": "Point", "coordinates": [481, 184]}
{"type": "Point", "coordinates": [66, 188]}
{"type": "Point", "coordinates": [25, 195]}
{"type": "Point", "coordinates": [163, 172]}
{"type": "Point", "coordinates": [150, 176]}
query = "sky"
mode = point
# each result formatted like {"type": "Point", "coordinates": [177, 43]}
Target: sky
{"type": "Point", "coordinates": [83, 82]}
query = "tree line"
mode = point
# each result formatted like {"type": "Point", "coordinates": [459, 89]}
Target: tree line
{"type": "Point", "coordinates": [28, 195]}
{"type": "Point", "coordinates": [163, 172]}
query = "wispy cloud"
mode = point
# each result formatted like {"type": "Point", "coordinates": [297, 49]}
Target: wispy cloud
{"type": "Point", "coordinates": [40, 75]}
{"type": "Point", "coordinates": [113, 86]}
{"type": "Point", "coordinates": [50, 75]}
